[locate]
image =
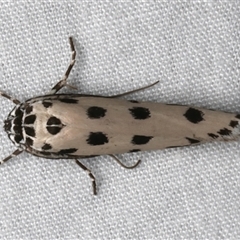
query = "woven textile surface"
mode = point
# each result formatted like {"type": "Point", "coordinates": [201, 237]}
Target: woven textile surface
{"type": "Point", "coordinates": [193, 49]}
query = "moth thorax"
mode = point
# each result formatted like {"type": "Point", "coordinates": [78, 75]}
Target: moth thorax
{"type": "Point", "coordinates": [19, 125]}
{"type": "Point", "coordinates": [13, 125]}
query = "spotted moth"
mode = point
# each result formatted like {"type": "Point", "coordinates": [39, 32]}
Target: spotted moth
{"type": "Point", "coordinates": [77, 126]}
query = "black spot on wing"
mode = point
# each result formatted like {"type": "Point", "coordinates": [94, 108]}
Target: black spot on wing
{"type": "Point", "coordinates": [212, 135]}
{"type": "Point", "coordinates": [192, 141]}
{"type": "Point", "coordinates": [54, 130]}
{"type": "Point", "coordinates": [140, 140]}
{"type": "Point", "coordinates": [96, 112]}
{"type": "Point", "coordinates": [30, 131]}
{"type": "Point", "coordinates": [29, 109]}
{"type": "Point", "coordinates": [233, 124]}
{"type": "Point", "coordinates": [237, 116]}
{"type": "Point", "coordinates": [29, 141]}
{"type": "Point", "coordinates": [97, 138]}
{"type": "Point", "coordinates": [67, 151]}
{"type": "Point", "coordinates": [133, 101]}
{"type": "Point", "coordinates": [225, 132]}
{"type": "Point", "coordinates": [30, 119]}
{"type": "Point", "coordinates": [46, 146]}
{"type": "Point", "coordinates": [194, 115]}
{"type": "Point", "coordinates": [140, 113]}
{"type": "Point", "coordinates": [134, 150]}
{"type": "Point", "coordinates": [69, 100]}
{"type": "Point", "coordinates": [53, 121]}
{"type": "Point", "coordinates": [47, 104]}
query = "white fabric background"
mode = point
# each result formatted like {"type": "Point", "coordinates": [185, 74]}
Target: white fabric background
{"type": "Point", "coordinates": [184, 193]}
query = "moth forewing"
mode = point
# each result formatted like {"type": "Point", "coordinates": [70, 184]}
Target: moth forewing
{"type": "Point", "coordinates": [79, 126]}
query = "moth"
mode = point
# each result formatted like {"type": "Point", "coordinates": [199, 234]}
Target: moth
{"type": "Point", "coordinates": [75, 126]}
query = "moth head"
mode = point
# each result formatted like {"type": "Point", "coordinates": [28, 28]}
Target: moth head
{"type": "Point", "coordinates": [13, 125]}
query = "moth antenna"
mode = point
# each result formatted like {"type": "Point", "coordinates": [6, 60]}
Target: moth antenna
{"type": "Point", "coordinates": [14, 154]}
{"type": "Point", "coordinates": [123, 165]}
{"type": "Point", "coordinates": [14, 100]}
{"type": "Point", "coordinates": [63, 82]}
{"type": "Point", "coordinates": [71, 86]}
{"type": "Point", "coordinates": [133, 91]}
{"type": "Point", "coordinates": [81, 165]}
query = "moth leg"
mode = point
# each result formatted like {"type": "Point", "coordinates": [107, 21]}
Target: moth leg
{"type": "Point", "coordinates": [63, 82]}
{"type": "Point", "coordinates": [14, 100]}
{"type": "Point", "coordinates": [15, 153]}
{"type": "Point", "coordinates": [133, 91]}
{"type": "Point", "coordinates": [90, 175]}
{"type": "Point", "coordinates": [123, 165]}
